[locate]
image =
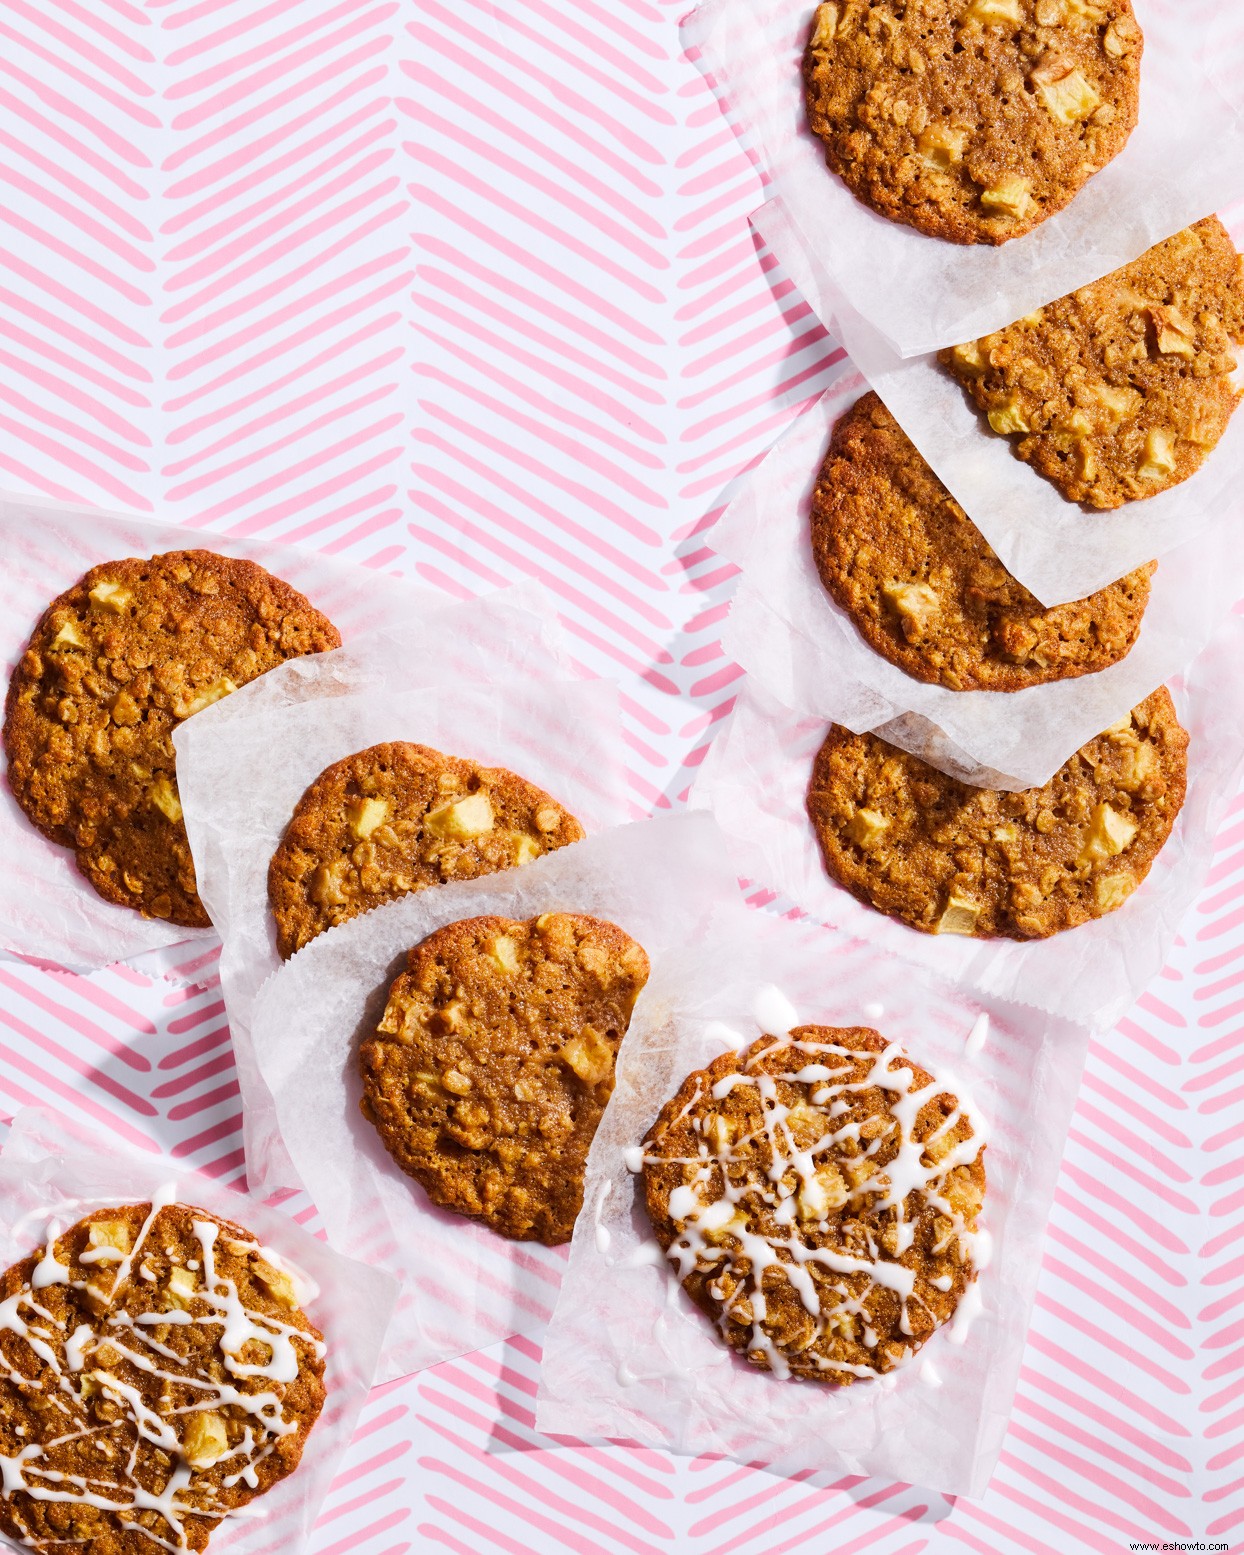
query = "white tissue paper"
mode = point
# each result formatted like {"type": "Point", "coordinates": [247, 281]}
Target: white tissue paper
{"type": "Point", "coordinates": [628, 1356]}
{"type": "Point", "coordinates": [755, 779]}
{"type": "Point", "coordinates": [48, 912]}
{"type": "Point", "coordinates": [53, 1171]}
{"type": "Point", "coordinates": [463, 1286]}
{"type": "Point", "coordinates": [1184, 159]}
{"type": "Point", "coordinates": [788, 631]}
{"type": "Point", "coordinates": [243, 764]}
{"type": "Point", "coordinates": [1056, 548]}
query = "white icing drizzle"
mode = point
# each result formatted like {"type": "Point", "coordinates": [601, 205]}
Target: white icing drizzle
{"type": "Point", "coordinates": [648, 1252]}
{"type": "Point", "coordinates": [773, 1011]}
{"type": "Point", "coordinates": [76, 1345]}
{"type": "Point", "coordinates": [966, 1313]}
{"type": "Point", "coordinates": [929, 1374]}
{"type": "Point", "coordinates": [49, 1270]}
{"type": "Point", "coordinates": [69, 1357]}
{"type": "Point", "coordinates": [161, 1199]}
{"type": "Point", "coordinates": [873, 1010]}
{"type": "Point", "coordinates": [305, 1288]}
{"type": "Point", "coordinates": [706, 1214]}
{"type": "Point", "coordinates": [725, 1036]}
{"type": "Point", "coordinates": [978, 1035]}
{"type": "Point", "coordinates": [603, 1238]}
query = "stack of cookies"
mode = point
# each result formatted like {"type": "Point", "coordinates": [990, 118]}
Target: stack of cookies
{"type": "Point", "coordinates": [972, 124]}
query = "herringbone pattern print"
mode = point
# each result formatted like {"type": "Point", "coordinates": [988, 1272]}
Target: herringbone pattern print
{"type": "Point", "coordinates": [467, 292]}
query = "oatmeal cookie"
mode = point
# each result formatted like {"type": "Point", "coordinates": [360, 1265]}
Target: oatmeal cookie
{"type": "Point", "coordinates": [924, 589]}
{"type": "Point", "coordinates": [489, 1072]}
{"type": "Point", "coordinates": [975, 120]}
{"type": "Point", "coordinates": [396, 818]}
{"type": "Point", "coordinates": [1120, 390]}
{"type": "Point", "coordinates": [156, 1374]}
{"type": "Point", "coordinates": [822, 1220]}
{"type": "Point", "coordinates": [114, 665]}
{"type": "Point", "coordinates": [951, 859]}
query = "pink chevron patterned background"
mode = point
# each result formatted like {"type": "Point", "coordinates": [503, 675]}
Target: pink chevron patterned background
{"type": "Point", "coordinates": [466, 292]}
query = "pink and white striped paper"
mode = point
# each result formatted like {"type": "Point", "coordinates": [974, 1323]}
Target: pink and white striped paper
{"type": "Point", "coordinates": [467, 293]}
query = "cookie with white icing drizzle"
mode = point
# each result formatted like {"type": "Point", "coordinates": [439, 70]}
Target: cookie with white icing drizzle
{"type": "Point", "coordinates": [156, 1374]}
{"type": "Point", "coordinates": [818, 1195]}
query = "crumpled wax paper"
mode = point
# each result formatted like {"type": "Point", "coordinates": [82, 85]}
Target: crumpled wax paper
{"type": "Point", "coordinates": [463, 1286]}
{"type": "Point", "coordinates": [53, 1171]}
{"type": "Point", "coordinates": [1056, 548]}
{"type": "Point", "coordinates": [47, 910]}
{"type": "Point", "coordinates": [787, 630]}
{"type": "Point", "coordinates": [628, 1356]}
{"type": "Point", "coordinates": [755, 780]}
{"type": "Point", "coordinates": [1184, 159]}
{"type": "Point", "coordinates": [243, 764]}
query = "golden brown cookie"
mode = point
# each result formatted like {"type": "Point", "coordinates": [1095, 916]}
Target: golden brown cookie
{"type": "Point", "coordinates": [1120, 390]}
{"type": "Point", "coordinates": [156, 1374]}
{"type": "Point", "coordinates": [951, 859]}
{"type": "Point", "coordinates": [924, 589]}
{"type": "Point", "coordinates": [823, 1221]}
{"type": "Point", "coordinates": [114, 665]}
{"type": "Point", "coordinates": [971, 120]}
{"type": "Point", "coordinates": [489, 1072]}
{"type": "Point", "coordinates": [396, 818]}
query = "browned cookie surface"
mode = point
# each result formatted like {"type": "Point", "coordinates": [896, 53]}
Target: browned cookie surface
{"type": "Point", "coordinates": [114, 665]}
{"type": "Point", "coordinates": [971, 120]}
{"type": "Point", "coordinates": [923, 587]}
{"type": "Point", "coordinates": [951, 859]}
{"type": "Point", "coordinates": [401, 817]}
{"type": "Point", "coordinates": [821, 1220]}
{"type": "Point", "coordinates": [489, 1072]}
{"type": "Point", "coordinates": [1120, 390]}
{"type": "Point", "coordinates": [157, 1372]}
